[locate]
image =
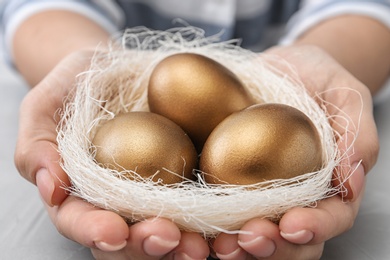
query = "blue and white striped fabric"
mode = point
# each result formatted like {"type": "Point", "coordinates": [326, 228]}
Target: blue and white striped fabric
{"type": "Point", "coordinates": [315, 11]}
{"type": "Point", "coordinates": [248, 20]}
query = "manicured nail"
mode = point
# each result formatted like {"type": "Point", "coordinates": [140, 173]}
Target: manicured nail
{"type": "Point", "coordinates": [355, 182]}
{"type": "Point", "coordinates": [299, 237]}
{"type": "Point", "coordinates": [156, 246]}
{"type": "Point", "coordinates": [265, 247]}
{"type": "Point", "coordinates": [45, 184]}
{"type": "Point", "coordinates": [235, 255]}
{"type": "Point", "coordinates": [108, 247]}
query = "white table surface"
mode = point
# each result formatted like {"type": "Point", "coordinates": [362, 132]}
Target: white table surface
{"type": "Point", "coordinates": [26, 232]}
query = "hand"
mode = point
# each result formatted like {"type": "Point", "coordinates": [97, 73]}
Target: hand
{"type": "Point", "coordinates": [109, 237]}
{"type": "Point", "coordinates": [302, 232]}
{"type": "Point", "coordinates": [105, 232]}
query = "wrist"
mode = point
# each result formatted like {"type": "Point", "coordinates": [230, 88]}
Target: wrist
{"type": "Point", "coordinates": [44, 39]}
{"type": "Point", "coordinates": [358, 43]}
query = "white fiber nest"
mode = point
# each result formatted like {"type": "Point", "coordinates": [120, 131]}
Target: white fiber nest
{"type": "Point", "coordinates": [117, 82]}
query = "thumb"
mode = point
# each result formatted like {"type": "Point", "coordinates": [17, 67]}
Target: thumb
{"type": "Point", "coordinates": [36, 155]}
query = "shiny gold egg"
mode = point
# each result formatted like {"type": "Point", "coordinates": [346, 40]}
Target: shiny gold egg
{"type": "Point", "coordinates": [195, 92]}
{"type": "Point", "coordinates": [262, 142]}
{"type": "Point", "coordinates": [148, 144]}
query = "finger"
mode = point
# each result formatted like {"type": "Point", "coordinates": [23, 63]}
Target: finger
{"type": "Point", "coordinates": [330, 218]}
{"type": "Point", "coordinates": [349, 179]}
{"type": "Point", "coordinates": [191, 246]}
{"type": "Point", "coordinates": [357, 143]}
{"type": "Point", "coordinates": [154, 237]}
{"type": "Point", "coordinates": [36, 148]}
{"type": "Point", "coordinates": [351, 116]}
{"type": "Point", "coordinates": [262, 240]}
{"type": "Point", "coordinates": [89, 226]}
{"type": "Point", "coordinates": [104, 255]}
{"type": "Point", "coordinates": [226, 247]}
{"type": "Point", "coordinates": [354, 122]}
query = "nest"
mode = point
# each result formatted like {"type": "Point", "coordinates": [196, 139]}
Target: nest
{"type": "Point", "coordinates": [117, 82]}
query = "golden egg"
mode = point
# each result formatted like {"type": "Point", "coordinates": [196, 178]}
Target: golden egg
{"type": "Point", "coordinates": [262, 142]}
{"type": "Point", "coordinates": [148, 144]}
{"type": "Point", "coordinates": [195, 92]}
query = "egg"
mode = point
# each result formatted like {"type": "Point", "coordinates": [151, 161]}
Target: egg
{"type": "Point", "coordinates": [260, 143]}
{"type": "Point", "coordinates": [148, 144]}
{"type": "Point", "coordinates": [196, 92]}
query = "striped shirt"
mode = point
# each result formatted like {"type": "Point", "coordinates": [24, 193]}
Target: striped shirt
{"type": "Point", "coordinates": [249, 20]}
{"type": "Point", "coordinates": [258, 23]}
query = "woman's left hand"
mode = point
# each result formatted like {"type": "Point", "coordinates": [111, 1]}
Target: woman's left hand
{"type": "Point", "coordinates": [302, 232]}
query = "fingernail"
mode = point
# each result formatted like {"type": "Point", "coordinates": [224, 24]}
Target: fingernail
{"type": "Point", "coordinates": [235, 255]}
{"type": "Point", "coordinates": [300, 237]}
{"type": "Point", "coordinates": [355, 182]}
{"type": "Point", "coordinates": [108, 247]}
{"type": "Point", "coordinates": [265, 247]}
{"type": "Point", "coordinates": [45, 184]}
{"type": "Point", "coordinates": [156, 246]}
